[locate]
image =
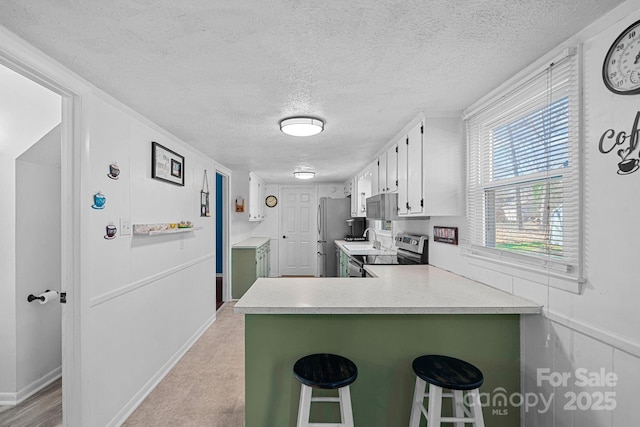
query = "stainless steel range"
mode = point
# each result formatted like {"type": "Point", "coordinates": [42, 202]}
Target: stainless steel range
{"type": "Point", "coordinates": [410, 249]}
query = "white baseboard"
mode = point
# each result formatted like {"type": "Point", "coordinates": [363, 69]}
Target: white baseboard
{"type": "Point", "coordinates": [13, 399]}
{"type": "Point", "coordinates": [142, 394]}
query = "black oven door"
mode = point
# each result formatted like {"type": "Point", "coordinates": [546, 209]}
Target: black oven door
{"type": "Point", "coordinates": [381, 259]}
{"type": "Point", "coordinates": [355, 267]}
{"type": "Point", "coordinates": [408, 258]}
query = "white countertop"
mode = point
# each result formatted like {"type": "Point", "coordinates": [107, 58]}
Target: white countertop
{"type": "Point", "coordinates": [396, 289]}
{"type": "Point", "coordinates": [253, 242]}
{"type": "Point", "coordinates": [359, 248]}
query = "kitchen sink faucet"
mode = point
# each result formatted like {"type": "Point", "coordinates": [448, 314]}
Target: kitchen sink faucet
{"type": "Point", "coordinates": [376, 243]}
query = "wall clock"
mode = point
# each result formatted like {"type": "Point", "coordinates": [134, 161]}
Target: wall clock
{"type": "Point", "coordinates": [621, 68]}
{"type": "Point", "coordinates": [271, 201]}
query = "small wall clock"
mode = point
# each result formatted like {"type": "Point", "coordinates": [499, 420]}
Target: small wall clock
{"type": "Point", "coordinates": [271, 201]}
{"type": "Point", "coordinates": [621, 67]}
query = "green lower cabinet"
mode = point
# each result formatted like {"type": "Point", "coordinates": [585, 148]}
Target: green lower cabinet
{"type": "Point", "coordinates": [383, 348]}
{"type": "Point", "coordinates": [247, 265]}
{"type": "Point", "coordinates": [343, 263]}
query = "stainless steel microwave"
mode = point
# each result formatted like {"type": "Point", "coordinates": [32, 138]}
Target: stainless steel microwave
{"type": "Point", "coordinates": [383, 207]}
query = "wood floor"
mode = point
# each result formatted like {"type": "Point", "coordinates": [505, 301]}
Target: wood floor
{"type": "Point", "coordinates": [205, 388]}
{"type": "Point", "coordinates": [43, 409]}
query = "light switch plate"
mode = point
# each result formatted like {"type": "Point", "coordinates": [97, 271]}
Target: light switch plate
{"type": "Point", "coordinates": [125, 227]}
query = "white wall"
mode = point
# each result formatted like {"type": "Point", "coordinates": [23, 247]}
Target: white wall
{"type": "Point", "coordinates": [147, 297]}
{"type": "Point", "coordinates": [597, 329]}
{"type": "Point", "coordinates": [27, 112]}
{"type": "Point", "coordinates": [270, 226]}
{"type": "Point", "coordinates": [240, 227]}
{"type": "Point", "coordinates": [38, 265]}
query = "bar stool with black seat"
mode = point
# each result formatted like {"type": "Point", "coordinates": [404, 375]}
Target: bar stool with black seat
{"type": "Point", "coordinates": [330, 372]}
{"type": "Point", "coordinates": [444, 372]}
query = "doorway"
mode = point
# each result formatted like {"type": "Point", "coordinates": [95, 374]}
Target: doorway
{"type": "Point", "coordinates": [298, 242]}
{"type": "Point", "coordinates": [223, 254]}
{"type": "Point", "coordinates": [219, 239]}
{"type": "Point", "coordinates": [31, 156]}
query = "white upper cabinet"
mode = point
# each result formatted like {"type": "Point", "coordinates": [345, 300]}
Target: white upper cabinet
{"type": "Point", "coordinates": [424, 165]}
{"type": "Point", "coordinates": [257, 194]}
{"type": "Point", "coordinates": [364, 181]}
{"type": "Point", "coordinates": [363, 186]}
{"type": "Point", "coordinates": [382, 174]}
{"type": "Point", "coordinates": [392, 169]}
{"type": "Point", "coordinates": [388, 171]}
{"type": "Point", "coordinates": [443, 167]}
{"type": "Point", "coordinates": [410, 196]}
{"type": "Point", "coordinates": [348, 186]}
{"type": "Point", "coordinates": [374, 178]}
{"type": "Point", "coordinates": [353, 185]}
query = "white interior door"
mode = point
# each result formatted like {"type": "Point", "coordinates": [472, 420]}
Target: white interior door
{"type": "Point", "coordinates": [298, 245]}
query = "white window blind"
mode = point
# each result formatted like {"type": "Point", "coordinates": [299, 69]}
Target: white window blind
{"type": "Point", "coordinates": [523, 202]}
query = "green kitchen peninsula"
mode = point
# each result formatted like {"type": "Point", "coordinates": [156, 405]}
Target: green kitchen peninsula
{"type": "Point", "coordinates": [381, 323]}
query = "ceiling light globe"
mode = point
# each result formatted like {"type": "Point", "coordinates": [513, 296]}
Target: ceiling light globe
{"type": "Point", "coordinates": [302, 126]}
{"type": "Point", "coordinates": [304, 175]}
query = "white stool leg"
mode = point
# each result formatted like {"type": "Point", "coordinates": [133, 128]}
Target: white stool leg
{"type": "Point", "coordinates": [305, 406]}
{"type": "Point", "coordinates": [435, 406]}
{"type": "Point", "coordinates": [458, 406]}
{"type": "Point", "coordinates": [476, 408]}
{"type": "Point", "coordinates": [346, 411]}
{"type": "Point", "coordinates": [418, 402]}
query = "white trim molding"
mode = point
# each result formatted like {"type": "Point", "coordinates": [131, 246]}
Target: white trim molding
{"type": "Point", "coordinates": [13, 399]}
{"type": "Point", "coordinates": [599, 334]}
{"type": "Point", "coordinates": [147, 281]}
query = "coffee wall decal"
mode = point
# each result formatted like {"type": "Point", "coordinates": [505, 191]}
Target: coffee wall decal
{"type": "Point", "coordinates": [626, 144]}
{"type": "Point", "coordinates": [99, 201]}
{"type": "Point", "coordinates": [111, 231]}
{"type": "Point", "coordinates": [114, 171]}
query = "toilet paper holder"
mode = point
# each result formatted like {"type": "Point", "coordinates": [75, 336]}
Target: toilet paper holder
{"type": "Point", "coordinates": [32, 297]}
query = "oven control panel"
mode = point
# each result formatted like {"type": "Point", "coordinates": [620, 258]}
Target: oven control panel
{"type": "Point", "coordinates": [411, 242]}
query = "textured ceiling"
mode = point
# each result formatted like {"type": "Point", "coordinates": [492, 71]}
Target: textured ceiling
{"type": "Point", "coordinates": [222, 74]}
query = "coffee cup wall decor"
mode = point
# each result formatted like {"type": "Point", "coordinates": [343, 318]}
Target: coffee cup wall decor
{"type": "Point", "coordinates": [111, 231]}
{"type": "Point", "coordinates": [99, 201]}
{"type": "Point", "coordinates": [114, 171]}
{"type": "Point", "coordinates": [626, 142]}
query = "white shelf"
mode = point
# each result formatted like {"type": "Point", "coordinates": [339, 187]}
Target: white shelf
{"type": "Point", "coordinates": [160, 229]}
{"type": "Point", "coordinates": [173, 231]}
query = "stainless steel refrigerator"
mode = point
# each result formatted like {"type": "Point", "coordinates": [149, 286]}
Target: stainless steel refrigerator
{"type": "Point", "coordinates": [332, 225]}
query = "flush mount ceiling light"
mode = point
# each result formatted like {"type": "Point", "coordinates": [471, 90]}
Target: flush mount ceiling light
{"type": "Point", "coordinates": [301, 126]}
{"type": "Point", "coordinates": [304, 174]}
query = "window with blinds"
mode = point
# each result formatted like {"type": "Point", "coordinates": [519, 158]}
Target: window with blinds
{"type": "Point", "coordinates": [523, 202]}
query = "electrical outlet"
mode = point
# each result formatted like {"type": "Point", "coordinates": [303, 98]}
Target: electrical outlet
{"type": "Point", "coordinates": [125, 227]}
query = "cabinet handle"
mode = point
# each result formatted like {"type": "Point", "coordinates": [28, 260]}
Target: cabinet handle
{"type": "Point", "coordinates": [284, 237]}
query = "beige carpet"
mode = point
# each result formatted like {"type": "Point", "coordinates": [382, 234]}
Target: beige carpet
{"type": "Point", "coordinates": [206, 387]}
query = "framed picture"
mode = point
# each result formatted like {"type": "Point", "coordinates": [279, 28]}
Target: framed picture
{"type": "Point", "coordinates": [204, 196]}
{"type": "Point", "coordinates": [445, 235]}
{"type": "Point", "coordinates": [204, 204]}
{"type": "Point", "coordinates": [166, 165]}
